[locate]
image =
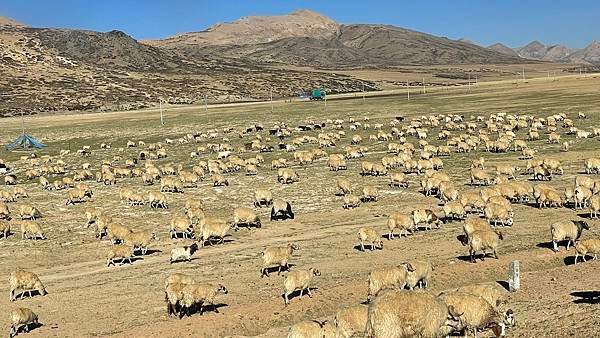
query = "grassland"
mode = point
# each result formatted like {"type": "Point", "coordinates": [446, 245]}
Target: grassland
{"type": "Point", "coordinates": [87, 299]}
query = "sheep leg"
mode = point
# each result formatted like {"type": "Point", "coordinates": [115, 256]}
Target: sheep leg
{"type": "Point", "coordinates": [576, 257]}
{"type": "Point", "coordinates": [583, 256]}
{"type": "Point", "coordinates": [569, 243]}
{"type": "Point", "coordinates": [555, 246]}
{"type": "Point", "coordinates": [309, 293]}
{"type": "Point", "coordinates": [495, 254]}
{"type": "Point", "coordinates": [279, 270]}
{"type": "Point", "coordinates": [285, 296]}
{"type": "Point", "coordinates": [362, 247]}
{"type": "Point", "coordinates": [390, 235]}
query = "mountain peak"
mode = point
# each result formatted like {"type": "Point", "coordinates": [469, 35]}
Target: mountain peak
{"type": "Point", "coordinates": [6, 21]}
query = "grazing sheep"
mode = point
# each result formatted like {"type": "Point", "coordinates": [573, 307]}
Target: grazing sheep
{"type": "Point", "coordinates": [6, 196]}
{"type": "Point", "coordinates": [474, 223]}
{"type": "Point", "coordinates": [351, 321]}
{"type": "Point", "coordinates": [351, 202]}
{"type": "Point", "coordinates": [312, 329]}
{"type": "Point", "coordinates": [77, 195]}
{"type": "Point", "coordinates": [281, 210]}
{"type": "Point", "coordinates": [140, 240]}
{"type": "Point", "coordinates": [123, 253]}
{"type": "Point", "coordinates": [219, 180]}
{"type": "Point", "coordinates": [370, 193]}
{"type": "Point", "coordinates": [402, 221]}
{"type": "Point", "coordinates": [492, 293]}
{"type": "Point", "coordinates": [398, 180]}
{"type": "Point", "coordinates": [22, 318]}
{"type": "Point", "coordinates": [25, 282]}
{"type": "Point", "coordinates": [279, 256]}
{"type": "Point", "coordinates": [157, 200]}
{"type": "Point", "coordinates": [344, 186]}
{"type": "Point", "coordinates": [454, 210]}
{"type": "Point", "coordinates": [4, 229]}
{"type": "Point", "coordinates": [287, 176]}
{"type": "Point", "coordinates": [243, 216]}
{"type": "Point", "coordinates": [567, 230]}
{"type": "Point", "coordinates": [495, 212]}
{"type": "Point", "coordinates": [10, 180]}
{"type": "Point", "coordinates": [29, 212]}
{"type": "Point", "coordinates": [594, 206]}
{"type": "Point", "coordinates": [386, 278]}
{"type": "Point", "coordinates": [117, 232]}
{"type": "Point", "coordinates": [477, 313]}
{"type": "Point", "coordinates": [483, 240]}
{"type": "Point", "coordinates": [183, 253]}
{"type": "Point", "coordinates": [20, 192]}
{"type": "Point", "coordinates": [212, 228]}
{"type": "Point", "coordinates": [587, 246]}
{"type": "Point", "coordinates": [171, 184]}
{"type": "Point", "coordinates": [371, 236]}
{"type": "Point", "coordinates": [262, 197]}
{"type": "Point", "coordinates": [426, 216]}
{"type": "Point", "coordinates": [410, 314]}
{"type": "Point", "coordinates": [31, 230]}
{"type": "Point", "coordinates": [181, 225]}
{"type": "Point", "coordinates": [582, 196]}
{"type": "Point", "coordinates": [197, 295]}
{"type": "Point", "coordinates": [480, 177]}
{"type": "Point", "coordinates": [4, 211]}
{"type": "Point", "coordinates": [418, 274]}
{"type": "Point", "coordinates": [299, 280]}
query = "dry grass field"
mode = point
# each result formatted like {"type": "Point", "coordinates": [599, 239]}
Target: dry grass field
{"type": "Point", "coordinates": [85, 298]}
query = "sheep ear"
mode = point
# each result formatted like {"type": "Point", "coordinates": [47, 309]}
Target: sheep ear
{"type": "Point", "coordinates": [410, 267]}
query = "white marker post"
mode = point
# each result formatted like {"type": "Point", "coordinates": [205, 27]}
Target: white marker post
{"type": "Point", "coordinates": [161, 112]}
{"type": "Point", "coordinates": [514, 276]}
{"type": "Point", "coordinates": [407, 91]}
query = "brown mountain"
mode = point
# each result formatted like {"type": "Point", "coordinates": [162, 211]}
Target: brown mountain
{"type": "Point", "coordinates": [8, 22]}
{"type": "Point", "coordinates": [306, 38]}
{"type": "Point", "coordinates": [589, 54]}
{"type": "Point", "coordinates": [533, 50]}
{"type": "Point", "coordinates": [500, 48]}
{"type": "Point", "coordinates": [255, 30]}
{"type": "Point", "coordinates": [557, 53]}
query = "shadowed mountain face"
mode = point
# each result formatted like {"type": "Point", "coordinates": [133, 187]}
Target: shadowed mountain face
{"type": "Point", "coordinates": [555, 53]}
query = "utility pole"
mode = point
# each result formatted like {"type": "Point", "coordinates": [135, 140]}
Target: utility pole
{"type": "Point", "coordinates": [23, 122]}
{"type": "Point", "coordinates": [271, 99]}
{"type": "Point", "coordinates": [523, 74]}
{"type": "Point", "coordinates": [161, 112]}
{"type": "Point", "coordinates": [469, 83]}
{"type": "Point", "coordinates": [363, 91]}
{"type": "Point", "coordinates": [407, 91]}
{"type": "Point", "coordinates": [423, 85]}
{"type": "Point", "coordinates": [325, 94]}
{"type": "Point", "coordinates": [206, 102]}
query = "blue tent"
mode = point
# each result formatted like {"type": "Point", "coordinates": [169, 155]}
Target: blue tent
{"type": "Point", "coordinates": [25, 142]}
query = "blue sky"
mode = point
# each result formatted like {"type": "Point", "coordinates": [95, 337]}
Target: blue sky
{"type": "Point", "coordinates": [515, 23]}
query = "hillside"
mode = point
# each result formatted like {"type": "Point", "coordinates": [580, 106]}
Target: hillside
{"type": "Point", "coordinates": [500, 48]}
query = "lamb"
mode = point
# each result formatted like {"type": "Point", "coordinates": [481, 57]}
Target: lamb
{"type": "Point", "coordinates": [77, 195]}
{"type": "Point", "coordinates": [410, 314]}
{"type": "Point", "coordinates": [567, 230]}
{"type": "Point", "coordinates": [157, 200]}
{"type": "Point", "coordinates": [4, 229]}
{"type": "Point", "coordinates": [418, 273]}
{"type": "Point", "coordinates": [262, 197]}
{"type": "Point", "coordinates": [351, 321]}
{"type": "Point", "coordinates": [22, 318]}
{"type": "Point", "coordinates": [25, 282]}
{"type": "Point", "coordinates": [344, 186]}
{"type": "Point", "coordinates": [370, 193]}
{"type": "Point", "coordinates": [27, 211]}
{"type": "Point", "coordinates": [351, 201]}
{"type": "Point", "coordinates": [183, 253]}
{"type": "Point", "coordinates": [196, 295]}
{"type": "Point", "coordinates": [180, 225]}
{"type": "Point", "coordinates": [387, 278]}
{"type": "Point", "coordinates": [402, 221]}
{"type": "Point", "coordinates": [299, 280]}
{"type": "Point", "coordinates": [119, 252]}
{"type": "Point", "coordinates": [482, 240]}
{"type": "Point", "coordinates": [212, 228]}
{"type": "Point", "coordinates": [477, 313]}
{"type": "Point", "coordinates": [311, 329]}
{"type": "Point", "coordinates": [31, 230]}
{"type": "Point", "coordinates": [279, 256]}
{"type": "Point", "coordinates": [426, 216]}
{"type": "Point", "coordinates": [587, 246]}
{"type": "Point", "coordinates": [454, 210]}
{"type": "Point", "coordinates": [371, 236]}
{"type": "Point", "coordinates": [281, 210]}
{"type": "Point", "coordinates": [140, 240]}
{"type": "Point", "coordinates": [245, 216]}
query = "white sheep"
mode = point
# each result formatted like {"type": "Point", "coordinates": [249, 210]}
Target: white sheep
{"type": "Point", "coordinates": [454, 210]}
{"type": "Point", "coordinates": [212, 228]}
{"type": "Point", "coordinates": [370, 193]}
{"type": "Point", "coordinates": [495, 212]}
{"type": "Point", "coordinates": [299, 280]}
{"type": "Point", "coordinates": [567, 230]}
{"type": "Point", "coordinates": [181, 225]}
{"type": "Point", "coordinates": [426, 216]}
{"type": "Point", "coordinates": [351, 201]}
{"type": "Point", "coordinates": [140, 240]}
{"type": "Point", "coordinates": [484, 240]}
{"type": "Point", "coordinates": [31, 230]}
{"type": "Point", "coordinates": [410, 314]}
{"type": "Point", "coordinates": [22, 318]}
{"type": "Point", "coordinates": [418, 274]}
{"type": "Point", "coordinates": [351, 321]}
{"type": "Point", "coordinates": [279, 256]}
{"type": "Point", "coordinates": [386, 278]}
{"type": "Point", "coordinates": [371, 236]}
{"type": "Point", "coordinates": [4, 229]}
{"type": "Point", "coordinates": [312, 329]}
{"type": "Point", "coordinates": [123, 253]}
{"type": "Point", "coordinates": [281, 210]}
{"type": "Point", "coordinates": [183, 253]}
{"type": "Point", "coordinates": [243, 216]}
{"type": "Point", "coordinates": [4, 211]}
{"type": "Point", "coordinates": [402, 221]}
{"type": "Point", "coordinates": [262, 197]}
{"type": "Point", "coordinates": [25, 282]}
{"type": "Point", "coordinates": [29, 212]}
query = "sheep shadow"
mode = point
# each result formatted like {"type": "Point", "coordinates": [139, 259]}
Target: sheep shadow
{"type": "Point", "coordinates": [503, 284]}
{"type": "Point", "coordinates": [25, 294]}
{"type": "Point", "coordinates": [585, 215]}
{"type": "Point", "coordinates": [28, 327]}
{"type": "Point", "coordinates": [462, 238]}
{"type": "Point", "coordinates": [10, 233]}
{"type": "Point", "coordinates": [545, 245]}
{"type": "Point", "coordinates": [206, 308]}
{"type": "Point", "coordinates": [569, 260]}
{"type": "Point", "coordinates": [367, 248]}
{"type": "Point", "coordinates": [125, 261]}
{"type": "Point", "coordinates": [586, 297]}
{"type": "Point", "coordinates": [184, 261]}
{"type": "Point", "coordinates": [148, 252]}
{"type": "Point", "coordinates": [273, 269]}
{"type": "Point", "coordinates": [215, 242]}
{"type": "Point", "coordinates": [297, 294]}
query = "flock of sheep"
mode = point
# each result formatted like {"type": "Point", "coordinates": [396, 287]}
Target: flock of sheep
{"type": "Point", "coordinates": [392, 308]}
